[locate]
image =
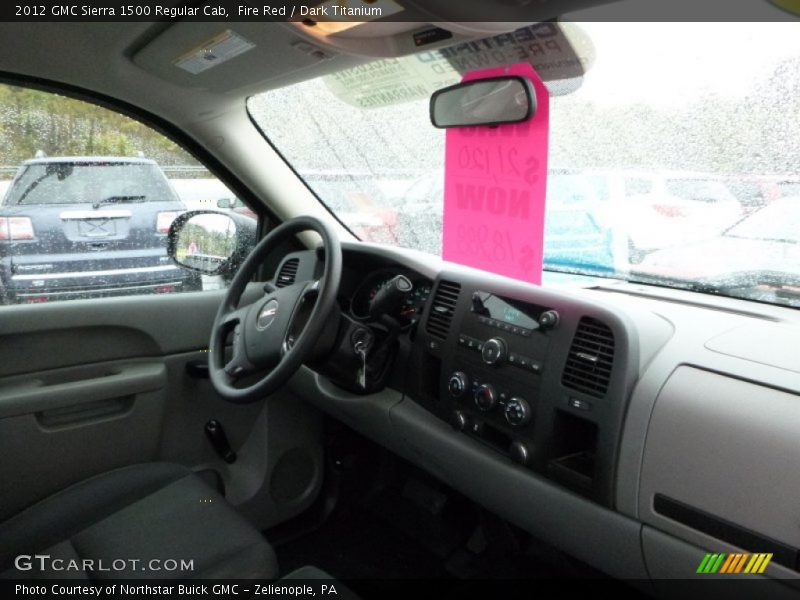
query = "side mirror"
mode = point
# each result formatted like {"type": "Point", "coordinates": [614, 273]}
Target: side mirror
{"type": "Point", "coordinates": [209, 242]}
{"type": "Point", "coordinates": [226, 203]}
{"type": "Point", "coordinates": [492, 101]}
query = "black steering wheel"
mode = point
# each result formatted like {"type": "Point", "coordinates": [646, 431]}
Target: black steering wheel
{"type": "Point", "coordinates": [269, 335]}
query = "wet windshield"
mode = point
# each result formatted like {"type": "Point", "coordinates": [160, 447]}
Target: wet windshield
{"type": "Point", "coordinates": [655, 154]}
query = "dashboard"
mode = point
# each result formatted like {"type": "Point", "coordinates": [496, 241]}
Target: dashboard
{"type": "Point", "coordinates": [615, 422]}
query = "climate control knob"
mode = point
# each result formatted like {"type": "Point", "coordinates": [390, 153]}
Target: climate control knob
{"type": "Point", "coordinates": [494, 351]}
{"type": "Point", "coordinates": [518, 411]}
{"type": "Point", "coordinates": [457, 384]}
{"type": "Point", "coordinates": [485, 397]}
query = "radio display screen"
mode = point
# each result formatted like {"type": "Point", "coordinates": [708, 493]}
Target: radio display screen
{"type": "Point", "coordinates": [513, 312]}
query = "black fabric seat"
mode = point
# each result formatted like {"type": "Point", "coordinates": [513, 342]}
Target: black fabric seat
{"type": "Point", "coordinates": [144, 512]}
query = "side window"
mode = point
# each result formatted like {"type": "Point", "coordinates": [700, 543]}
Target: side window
{"type": "Point", "coordinates": [88, 196]}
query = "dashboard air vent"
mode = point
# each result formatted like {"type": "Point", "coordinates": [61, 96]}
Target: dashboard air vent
{"type": "Point", "coordinates": [287, 273]}
{"type": "Point", "coordinates": [443, 308]}
{"type": "Point", "coordinates": [590, 358]}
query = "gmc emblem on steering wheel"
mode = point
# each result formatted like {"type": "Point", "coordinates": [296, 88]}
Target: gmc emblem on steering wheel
{"type": "Point", "coordinates": [267, 314]}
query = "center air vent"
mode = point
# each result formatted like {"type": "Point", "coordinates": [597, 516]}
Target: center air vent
{"type": "Point", "coordinates": [287, 273]}
{"type": "Point", "coordinates": [443, 308]}
{"type": "Point", "coordinates": [590, 358]}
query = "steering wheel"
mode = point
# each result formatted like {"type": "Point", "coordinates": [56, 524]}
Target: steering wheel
{"type": "Point", "coordinates": [268, 335]}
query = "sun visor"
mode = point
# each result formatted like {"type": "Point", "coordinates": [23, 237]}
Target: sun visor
{"type": "Point", "coordinates": [224, 56]}
{"type": "Point", "coordinates": [559, 52]}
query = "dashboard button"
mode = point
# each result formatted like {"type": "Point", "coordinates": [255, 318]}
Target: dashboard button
{"type": "Point", "coordinates": [519, 453]}
{"type": "Point", "coordinates": [494, 351]}
{"type": "Point", "coordinates": [548, 319]}
{"type": "Point", "coordinates": [485, 397]}
{"type": "Point", "coordinates": [579, 404]}
{"type": "Point", "coordinates": [459, 421]}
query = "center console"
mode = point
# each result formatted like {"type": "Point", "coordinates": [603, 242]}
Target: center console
{"type": "Point", "coordinates": [540, 380]}
{"type": "Point", "coordinates": [494, 386]}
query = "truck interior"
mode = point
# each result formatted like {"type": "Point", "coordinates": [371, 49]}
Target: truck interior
{"type": "Point", "coordinates": [349, 404]}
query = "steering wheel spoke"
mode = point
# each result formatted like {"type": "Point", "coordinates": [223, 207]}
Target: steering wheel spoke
{"type": "Point", "coordinates": [234, 318]}
{"type": "Point", "coordinates": [311, 288]}
{"type": "Point", "coordinates": [238, 366]}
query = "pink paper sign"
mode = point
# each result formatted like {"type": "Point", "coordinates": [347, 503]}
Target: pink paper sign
{"type": "Point", "coordinates": [494, 189]}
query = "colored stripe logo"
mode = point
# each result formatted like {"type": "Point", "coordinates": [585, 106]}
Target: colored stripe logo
{"type": "Point", "coordinates": [734, 563]}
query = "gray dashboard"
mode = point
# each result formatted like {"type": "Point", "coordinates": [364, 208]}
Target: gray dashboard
{"type": "Point", "coordinates": [692, 435]}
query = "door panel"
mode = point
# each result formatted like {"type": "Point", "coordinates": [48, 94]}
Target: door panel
{"type": "Point", "coordinates": [91, 385]}
{"type": "Point", "coordinates": [42, 455]}
{"type": "Point", "coordinates": [55, 392]}
{"type": "Point", "coordinates": [60, 334]}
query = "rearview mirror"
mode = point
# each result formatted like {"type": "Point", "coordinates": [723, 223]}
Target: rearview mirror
{"type": "Point", "coordinates": [492, 101]}
{"type": "Point", "coordinates": [209, 242]}
{"type": "Point", "coordinates": [226, 203]}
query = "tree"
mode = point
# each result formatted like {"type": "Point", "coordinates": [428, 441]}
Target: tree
{"type": "Point", "coordinates": [31, 120]}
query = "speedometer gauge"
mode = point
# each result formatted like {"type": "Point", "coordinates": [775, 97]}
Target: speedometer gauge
{"type": "Point", "coordinates": [408, 311]}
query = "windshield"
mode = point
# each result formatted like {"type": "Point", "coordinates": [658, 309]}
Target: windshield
{"type": "Point", "coordinates": [778, 222]}
{"type": "Point", "coordinates": [656, 152]}
{"type": "Point", "coordinates": [76, 183]}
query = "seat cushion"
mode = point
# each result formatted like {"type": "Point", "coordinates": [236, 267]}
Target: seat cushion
{"type": "Point", "coordinates": [151, 512]}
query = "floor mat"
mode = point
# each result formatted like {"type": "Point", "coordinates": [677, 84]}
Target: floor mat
{"type": "Point", "coordinates": [361, 546]}
{"type": "Point", "coordinates": [381, 518]}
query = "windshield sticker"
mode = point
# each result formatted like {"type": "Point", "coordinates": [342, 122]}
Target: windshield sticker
{"type": "Point", "coordinates": [494, 191]}
{"type": "Point", "coordinates": [560, 52]}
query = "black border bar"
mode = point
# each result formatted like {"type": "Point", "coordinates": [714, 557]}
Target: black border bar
{"type": "Point", "coordinates": [414, 11]}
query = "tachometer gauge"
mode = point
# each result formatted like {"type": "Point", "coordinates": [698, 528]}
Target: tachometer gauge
{"type": "Point", "coordinates": [414, 303]}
